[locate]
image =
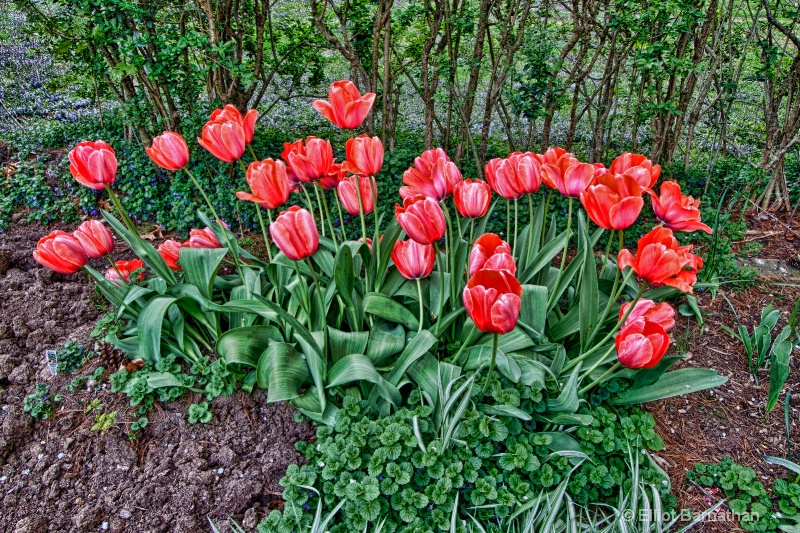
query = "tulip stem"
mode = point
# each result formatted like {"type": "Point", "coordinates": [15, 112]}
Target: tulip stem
{"type": "Point", "coordinates": [530, 228]}
{"type": "Point", "coordinates": [421, 306]}
{"type": "Point", "coordinates": [451, 253]}
{"type": "Point", "coordinates": [304, 287]}
{"type": "Point", "coordinates": [599, 362]}
{"type": "Point", "coordinates": [121, 210]}
{"type": "Point", "coordinates": [376, 241]}
{"type": "Point", "coordinates": [218, 220]}
{"type": "Point", "coordinates": [314, 276]}
{"type": "Point", "coordinates": [508, 219]}
{"type": "Point", "coordinates": [319, 208]}
{"type": "Point", "coordinates": [363, 229]}
{"type": "Point", "coordinates": [327, 213]}
{"type": "Point", "coordinates": [471, 231]}
{"type": "Point", "coordinates": [264, 231]}
{"type": "Point", "coordinates": [516, 227]}
{"type": "Point", "coordinates": [550, 301]}
{"type": "Point", "coordinates": [495, 341]}
{"type": "Point", "coordinates": [252, 153]}
{"type": "Point", "coordinates": [608, 252]}
{"type": "Point", "coordinates": [546, 212]}
{"type": "Point", "coordinates": [614, 330]}
{"type": "Point", "coordinates": [612, 296]}
{"type": "Point", "coordinates": [341, 220]}
{"type": "Point", "coordinates": [439, 310]}
{"type": "Point", "coordinates": [600, 379]}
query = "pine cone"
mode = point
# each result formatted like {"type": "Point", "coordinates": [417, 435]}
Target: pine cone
{"type": "Point", "coordinates": [111, 358]}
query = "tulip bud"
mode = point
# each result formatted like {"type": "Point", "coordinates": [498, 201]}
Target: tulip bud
{"type": "Point", "coordinates": [93, 164]}
{"type": "Point", "coordinates": [492, 299]}
{"type": "Point", "coordinates": [95, 238]}
{"type": "Point", "coordinates": [269, 183]}
{"type": "Point", "coordinates": [413, 260]}
{"type": "Point", "coordinates": [169, 151]}
{"type": "Point", "coordinates": [125, 268]}
{"type": "Point", "coordinates": [203, 238]}
{"type": "Point", "coordinates": [295, 233]}
{"type": "Point", "coordinates": [60, 252]}
{"type": "Point", "coordinates": [364, 155]}
{"type": "Point", "coordinates": [422, 219]}
{"type": "Point", "coordinates": [345, 106]}
{"type": "Point", "coordinates": [170, 251]}
{"type": "Point", "coordinates": [472, 198]}
{"type": "Point", "coordinates": [348, 196]}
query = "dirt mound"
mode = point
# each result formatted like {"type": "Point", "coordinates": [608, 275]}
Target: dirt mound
{"type": "Point", "coordinates": [59, 475]}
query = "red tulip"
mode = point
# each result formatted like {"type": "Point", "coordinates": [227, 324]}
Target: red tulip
{"type": "Point", "coordinates": [433, 175]}
{"type": "Point", "coordinates": [514, 176]}
{"type": "Point", "coordinates": [613, 201]}
{"type": "Point", "coordinates": [472, 198]}
{"type": "Point", "coordinates": [93, 164]}
{"type": "Point", "coordinates": [348, 194]}
{"type": "Point", "coordinates": [203, 238]}
{"type": "Point", "coordinates": [553, 155]}
{"type": "Point", "coordinates": [288, 148]}
{"type": "Point", "coordinates": [333, 177]}
{"type": "Point", "coordinates": [226, 133]}
{"type": "Point", "coordinates": [660, 261]}
{"type": "Point", "coordinates": [231, 113]}
{"type": "Point", "coordinates": [412, 259]}
{"type": "Point", "coordinates": [295, 233]}
{"type": "Point", "coordinates": [490, 252]}
{"type": "Point", "coordinates": [663, 314]}
{"type": "Point", "coordinates": [422, 219]}
{"type": "Point", "coordinates": [95, 238]}
{"type": "Point", "coordinates": [312, 161]}
{"type": "Point", "coordinates": [566, 174]}
{"type": "Point", "coordinates": [269, 183]}
{"type": "Point", "coordinates": [169, 151]}
{"type": "Point", "coordinates": [641, 343]}
{"type": "Point", "coordinates": [345, 106]}
{"type": "Point", "coordinates": [125, 268]}
{"type": "Point", "coordinates": [492, 300]}
{"type": "Point", "coordinates": [364, 155]}
{"type": "Point", "coordinates": [638, 166]}
{"type": "Point", "coordinates": [60, 252]}
{"type": "Point", "coordinates": [676, 211]}
{"type": "Point", "coordinates": [170, 251]}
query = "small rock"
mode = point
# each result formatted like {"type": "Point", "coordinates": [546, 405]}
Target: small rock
{"type": "Point", "coordinates": [125, 514]}
{"type": "Point", "coordinates": [31, 524]}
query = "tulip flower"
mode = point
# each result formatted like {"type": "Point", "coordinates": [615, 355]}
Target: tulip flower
{"type": "Point", "coordinates": [663, 314]}
{"type": "Point", "coordinates": [641, 343]}
{"type": "Point", "coordinates": [93, 164]}
{"type": "Point", "coordinates": [269, 183]}
{"type": "Point", "coordinates": [95, 238]}
{"type": "Point", "coordinates": [422, 219]}
{"type": "Point", "coordinates": [348, 194]}
{"type": "Point", "coordinates": [170, 251]}
{"type": "Point", "coordinates": [60, 252]}
{"type": "Point", "coordinates": [613, 201]}
{"type": "Point", "coordinates": [517, 175]}
{"type": "Point", "coordinates": [433, 175]}
{"type": "Point", "coordinates": [333, 177]}
{"type": "Point", "coordinates": [125, 268]}
{"type": "Point", "coordinates": [553, 155]}
{"type": "Point", "coordinates": [345, 106]}
{"type": "Point", "coordinates": [311, 161]}
{"type": "Point", "coordinates": [226, 133]}
{"type": "Point", "coordinates": [660, 261]}
{"type": "Point", "coordinates": [413, 260]}
{"type": "Point", "coordinates": [203, 238]}
{"type": "Point", "coordinates": [492, 299]}
{"type": "Point", "coordinates": [638, 166]}
{"type": "Point", "coordinates": [472, 198]}
{"type": "Point", "coordinates": [295, 233]}
{"type": "Point", "coordinates": [676, 211]}
{"type": "Point", "coordinates": [169, 151]}
{"type": "Point", "coordinates": [490, 252]}
{"type": "Point", "coordinates": [364, 155]}
{"type": "Point", "coordinates": [568, 175]}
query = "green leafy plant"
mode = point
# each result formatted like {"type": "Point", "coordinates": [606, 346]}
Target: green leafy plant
{"type": "Point", "coordinates": [198, 412]}
{"type": "Point", "coordinates": [141, 423]}
{"type": "Point", "coordinates": [103, 422]}
{"type": "Point", "coordinates": [71, 356]}
{"type": "Point", "coordinates": [40, 403]}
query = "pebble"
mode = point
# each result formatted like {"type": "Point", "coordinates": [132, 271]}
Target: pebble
{"type": "Point", "coordinates": [104, 526]}
{"type": "Point", "coordinates": [125, 514]}
{"type": "Point", "coordinates": [60, 456]}
{"type": "Point", "coordinates": [220, 471]}
{"type": "Point", "coordinates": [3, 479]}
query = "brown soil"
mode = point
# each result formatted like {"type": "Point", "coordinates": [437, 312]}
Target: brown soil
{"type": "Point", "coordinates": [59, 475]}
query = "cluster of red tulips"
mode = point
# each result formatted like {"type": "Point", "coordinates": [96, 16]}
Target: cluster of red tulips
{"type": "Point", "coordinates": [613, 198]}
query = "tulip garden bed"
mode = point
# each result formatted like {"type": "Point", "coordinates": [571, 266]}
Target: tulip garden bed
{"type": "Point", "coordinates": [457, 380]}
